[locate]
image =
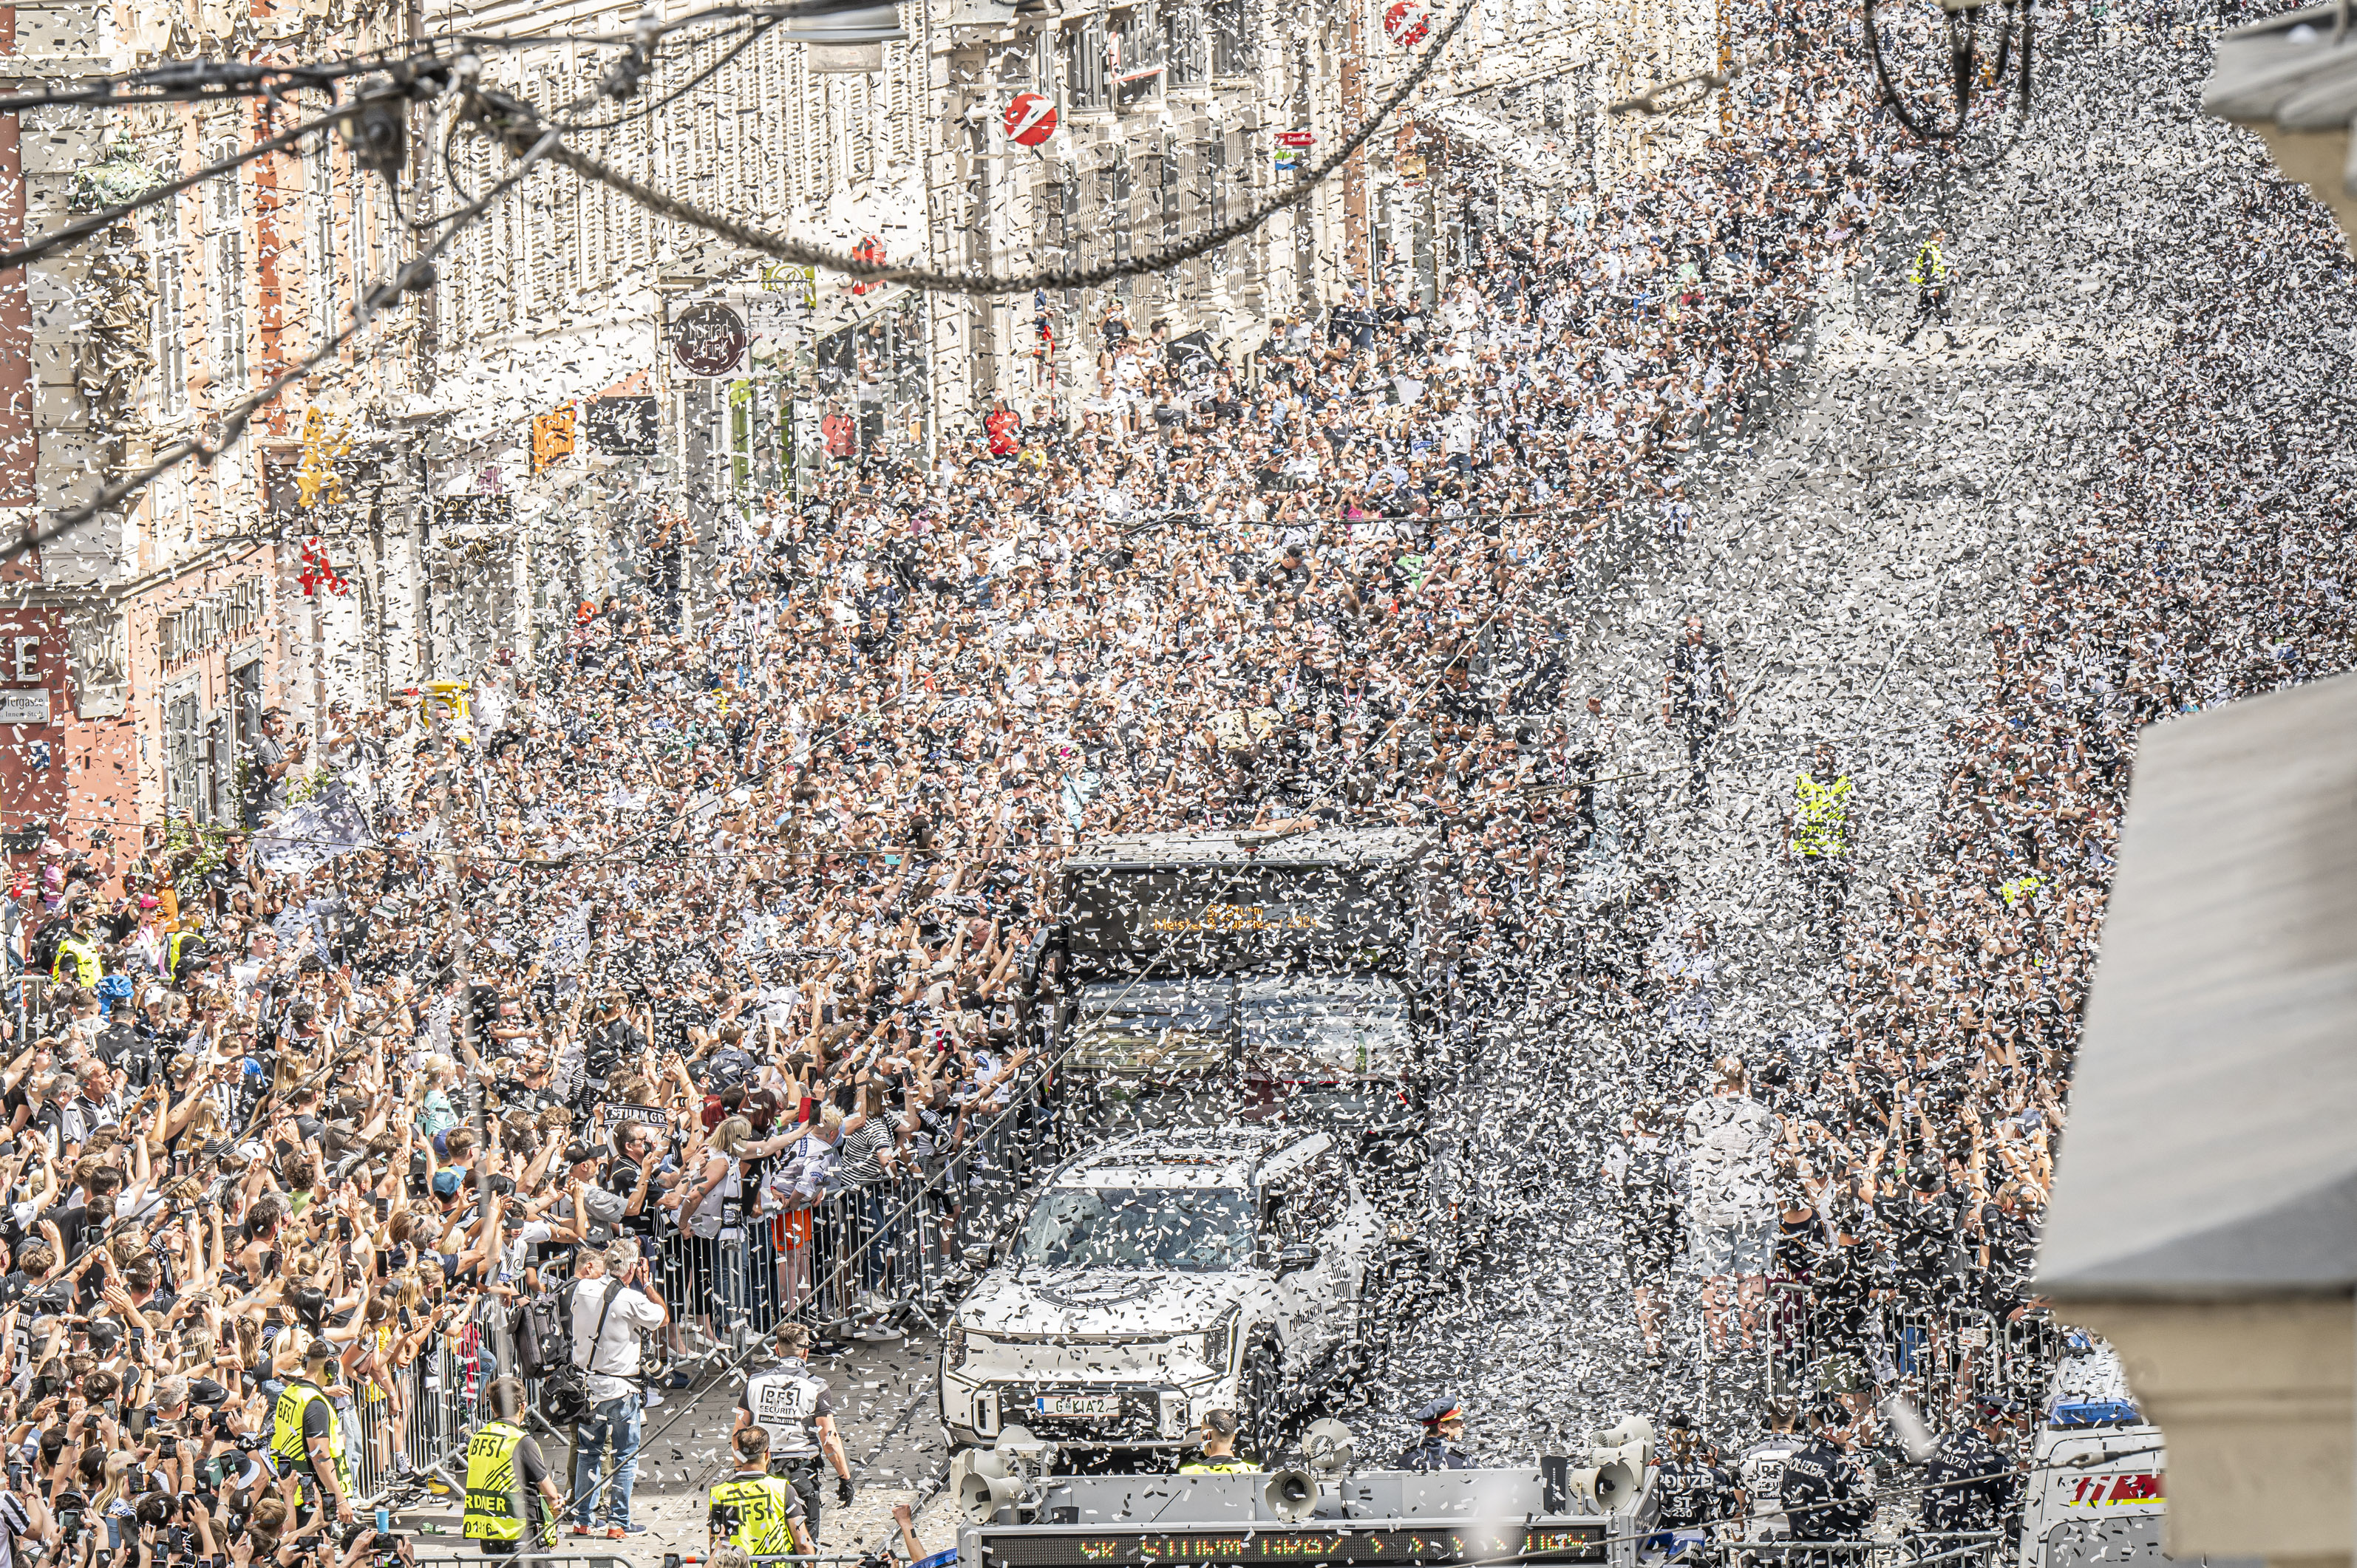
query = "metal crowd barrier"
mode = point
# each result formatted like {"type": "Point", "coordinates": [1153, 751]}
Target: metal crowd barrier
{"type": "Point", "coordinates": [1939, 1357]}
{"type": "Point", "coordinates": [860, 1255]}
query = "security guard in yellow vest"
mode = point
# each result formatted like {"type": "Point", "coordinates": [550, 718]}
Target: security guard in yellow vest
{"type": "Point", "coordinates": [1817, 830]}
{"type": "Point", "coordinates": [77, 962]}
{"type": "Point", "coordinates": [1219, 1455]}
{"type": "Point", "coordinates": [1929, 272]}
{"type": "Point", "coordinates": [182, 950]}
{"type": "Point", "coordinates": [754, 1510]}
{"type": "Point", "coordinates": [505, 1466]}
{"type": "Point", "coordinates": [304, 1439]}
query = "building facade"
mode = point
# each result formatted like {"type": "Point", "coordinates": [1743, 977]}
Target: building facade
{"type": "Point", "coordinates": [585, 386]}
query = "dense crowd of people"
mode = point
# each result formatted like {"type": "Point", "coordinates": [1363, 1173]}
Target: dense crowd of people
{"type": "Point", "coordinates": [693, 952]}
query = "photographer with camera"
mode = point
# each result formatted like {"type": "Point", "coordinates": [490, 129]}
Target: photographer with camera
{"type": "Point", "coordinates": [614, 1299]}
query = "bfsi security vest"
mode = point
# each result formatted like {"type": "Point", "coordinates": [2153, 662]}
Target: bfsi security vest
{"type": "Point", "coordinates": [1930, 269]}
{"type": "Point", "coordinates": [80, 957]}
{"type": "Point", "coordinates": [785, 1405]}
{"type": "Point", "coordinates": [179, 945]}
{"type": "Point", "coordinates": [287, 1432]}
{"type": "Point", "coordinates": [1217, 1467]}
{"type": "Point", "coordinates": [755, 1513]}
{"type": "Point", "coordinates": [491, 1482]}
{"type": "Point", "coordinates": [1821, 826]}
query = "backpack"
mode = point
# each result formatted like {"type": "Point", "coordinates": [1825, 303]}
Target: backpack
{"type": "Point", "coordinates": [543, 1333]}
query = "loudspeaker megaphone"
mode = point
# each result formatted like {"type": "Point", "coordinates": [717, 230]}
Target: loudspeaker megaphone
{"type": "Point", "coordinates": [1326, 1446]}
{"type": "Point", "coordinates": [983, 1496]}
{"type": "Point", "coordinates": [1291, 1494]}
{"type": "Point", "coordinates": [1615, 1479]}
{"type": "Point", "coordinates": [1629, 1430]}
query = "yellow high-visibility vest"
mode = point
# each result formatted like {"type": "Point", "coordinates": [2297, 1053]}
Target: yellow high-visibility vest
{"type": "Point", "coordinates": [81, 957]}
{"type": "Point", "coordinates": [1821, 818]}
{"type": "Point", "coordinates": [755, 1512]}
{"type": "Point", "coordinates": [287, 1445]}
{"type": "Point", "coordinates": [491, 1482]}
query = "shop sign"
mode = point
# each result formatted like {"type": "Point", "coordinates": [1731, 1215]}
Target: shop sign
{"type": "Point", "coordinates": [183, 633]}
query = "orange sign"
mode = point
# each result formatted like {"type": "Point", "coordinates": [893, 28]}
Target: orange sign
{"type": "Point", "coordinates": [552, 437]}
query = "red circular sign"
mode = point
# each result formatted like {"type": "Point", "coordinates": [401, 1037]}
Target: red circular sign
{"type": "Point", "coordinates": [1030, 120]}
{"type": "Point", "coordinates": [1406, 23]}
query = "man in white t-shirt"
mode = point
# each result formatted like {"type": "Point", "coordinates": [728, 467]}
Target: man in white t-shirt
{"type": "Point", "coordinates": [606, 1344]}
{"type": "Point", "coordinates": [1730, 1202]}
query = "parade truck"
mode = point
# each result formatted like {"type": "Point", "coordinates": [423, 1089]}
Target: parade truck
{"type": "Point", "coordinates": [1205, 978]}
{"type": "Point", "coordinates": [1325, 1513]}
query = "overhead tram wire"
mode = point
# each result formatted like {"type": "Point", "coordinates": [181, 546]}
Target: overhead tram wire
{"type": "Point", "coordinates": [521, 141]}
{"type": "Point", "coordinates": [82, 228]}
{"type": "Point", "coordinates": [207, 80]}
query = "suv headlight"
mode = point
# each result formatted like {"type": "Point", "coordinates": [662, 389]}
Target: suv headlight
{"type": "Point", "coordinates": [1219, 1341]}
{"type": "Point", "coordinates": [953, 1346]}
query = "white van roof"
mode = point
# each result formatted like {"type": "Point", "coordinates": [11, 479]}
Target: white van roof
{"type": "Point", "coordinates": [1207, 1157]}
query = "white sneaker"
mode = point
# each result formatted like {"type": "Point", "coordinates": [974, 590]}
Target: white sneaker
{"type": "Point", "coordinates": [655, 1398]}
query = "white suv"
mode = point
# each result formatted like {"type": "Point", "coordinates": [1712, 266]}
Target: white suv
{"type": "Point", "coordinates": [1165, 1275]}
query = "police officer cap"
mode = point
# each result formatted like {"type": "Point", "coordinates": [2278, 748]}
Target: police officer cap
{"type": "Point", "coordinates": [1994, 1407]}
{"type": "Point", "coordinates": [1438, 1410]}
{"type": "Point", "coordinates": [1680, 1422]}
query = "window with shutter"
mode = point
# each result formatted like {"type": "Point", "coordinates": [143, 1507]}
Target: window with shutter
{"type": "Point", "coordinates": [169, 259]}
{"type": "Point", "coordinates": [225, 243]}
{"type": "Point", "coordinates": [323, 268]}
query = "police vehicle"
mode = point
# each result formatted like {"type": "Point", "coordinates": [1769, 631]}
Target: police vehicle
{"type": "Point", "coordinates": [1165, 1275]}
{"type": "Point", "coordinates": [2096, 1491]}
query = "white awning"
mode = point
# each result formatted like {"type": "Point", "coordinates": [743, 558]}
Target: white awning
{"type": "Point", "coordinates": [2210, 1151]}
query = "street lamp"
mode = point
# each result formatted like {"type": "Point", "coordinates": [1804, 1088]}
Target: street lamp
{"type": "Point", "coordinates": [860, 25]}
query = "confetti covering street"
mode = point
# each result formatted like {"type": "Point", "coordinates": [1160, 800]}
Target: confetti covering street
{"type": "Point", "coordinates": [1203, 781]}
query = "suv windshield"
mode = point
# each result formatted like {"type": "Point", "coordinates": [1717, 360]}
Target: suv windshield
{"type": "Point", "coordinates": [1305, 1027]}
{"type": "Point", "coordinates": [1196, 1229]}
{"type": "Point", "coordinates": [1153, 1026]}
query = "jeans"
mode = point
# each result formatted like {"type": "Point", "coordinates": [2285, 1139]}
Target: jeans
{"type": "Point", "coordinates": [615, 1421]}
{"type": "Point", "coordinates": [729, 1283]}
{"type": "Point", "coordinates": [875, 1259]}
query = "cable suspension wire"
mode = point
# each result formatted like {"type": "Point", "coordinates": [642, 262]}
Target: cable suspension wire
{"type": "Point", "coordinates": [233, 423]}
{"type": "Point", "coordinates": [82, 227]}
{"type": "Point", "coordinates": [803, 252]}
{"type": "Point", "coordinates": [213, 80]}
